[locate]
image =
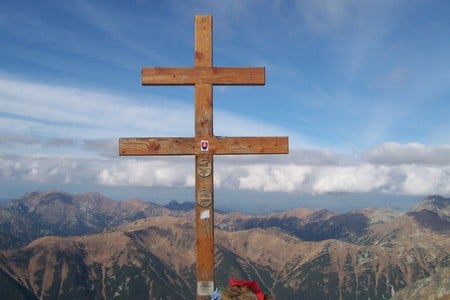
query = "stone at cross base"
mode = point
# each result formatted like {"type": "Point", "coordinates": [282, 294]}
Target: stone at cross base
{"type": "Point", "coordinates": [204, 145]}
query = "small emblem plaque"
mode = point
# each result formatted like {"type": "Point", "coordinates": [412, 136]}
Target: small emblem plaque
{"type": "Point", "coordinates": [204, 145]}
{"type": "Point", "coordinates": [204, 198]}
{"type": "Point", "coordinates": [204, 168]}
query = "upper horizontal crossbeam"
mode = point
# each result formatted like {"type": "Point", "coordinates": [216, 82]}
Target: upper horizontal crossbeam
{"type": "Point", "coordinates": [203, 75]}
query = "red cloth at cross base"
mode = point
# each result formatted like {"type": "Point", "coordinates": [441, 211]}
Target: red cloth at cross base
{"type": "Point", "coordinates": [250, 284]}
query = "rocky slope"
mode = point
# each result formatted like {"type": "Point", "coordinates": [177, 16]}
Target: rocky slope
{"type": "Point", "coordinates": [39, 214]}
{"type": "Point", "coordinates": [301, 254]}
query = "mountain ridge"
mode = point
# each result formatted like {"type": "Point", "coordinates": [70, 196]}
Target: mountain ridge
{"type": "Point", "coordinates": [314, 254]}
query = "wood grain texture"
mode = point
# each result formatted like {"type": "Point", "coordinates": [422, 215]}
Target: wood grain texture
{"type": "Point", "coordinates": [203, 37]}
{"type": "Point", "coordinates": [209, 75]}
{"type": "Point", "coordinates": [203, 110]}
{"type": "Point", "coordinates": [204, 216]}
{"type": "Point", "coordinates": [192, 146]}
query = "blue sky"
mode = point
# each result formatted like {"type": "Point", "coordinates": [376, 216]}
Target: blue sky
{"type": "Point", "coordinates": [361, 88]}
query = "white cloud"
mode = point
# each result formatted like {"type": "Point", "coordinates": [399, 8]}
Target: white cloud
{"type": "Point", "coordinates": [351, 179]}
{"type": "Point", "coordinates": [61, 112]}
{"type": "Point", "coordinates": [258, 173]}
{"type": "Point", "coordinates": [423, 180]}
{"type": "Point", "coordinates": [58, 170]}
{"type": "Point", "coordinates": [264, 177]}
{"type": "Point", "coordinates": [37, 127]}
{"type": "Point", "coordinates": [147, 173]}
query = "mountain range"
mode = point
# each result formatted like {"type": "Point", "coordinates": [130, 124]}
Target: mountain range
{"type": "Point", "coordinates": [55, 245]}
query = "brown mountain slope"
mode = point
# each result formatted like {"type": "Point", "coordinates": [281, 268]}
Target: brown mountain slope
{"type": "Point", "coordinates": [399, 255]}
{"type": "Point", "coordinates": [40, 214]}
{"type": "Point", "coordinates": [95, 266]}
{"type": "Point", "coordinates": [302, 254]}
{"type": "Point", "coordinates": [434, 287]}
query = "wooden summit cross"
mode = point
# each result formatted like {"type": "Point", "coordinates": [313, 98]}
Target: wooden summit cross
{"type": "Point", "coordinates": [204, 145]}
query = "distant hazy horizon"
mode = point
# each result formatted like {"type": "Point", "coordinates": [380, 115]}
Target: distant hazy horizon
{"type": "Point", "coordinates": [244, 200]}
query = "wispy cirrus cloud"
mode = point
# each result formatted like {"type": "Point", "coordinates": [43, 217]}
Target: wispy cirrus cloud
{"type": "Point", "coordinates": [59, 142]}
{"type": "Point", "coordinates": [12, 138]}
{"type": "Point", "coordinates": [393, 153]}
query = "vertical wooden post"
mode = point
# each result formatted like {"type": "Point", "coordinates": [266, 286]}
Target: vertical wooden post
{"type": "Point", "coordinates": [204, 183]}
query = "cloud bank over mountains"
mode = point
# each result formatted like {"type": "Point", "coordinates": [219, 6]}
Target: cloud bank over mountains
{"type": "Point", "coordinates": [293, 175]}
{"type": "Point", "coordinates": [59, 135]}
{"type": "Point", "coordinates": [48, 144]}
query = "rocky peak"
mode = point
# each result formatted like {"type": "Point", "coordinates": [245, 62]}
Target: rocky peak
{"type": "Point", "coordinates": [59, 213]}
{"type": "Point", "coordinates": [433, 212]}
{"type": "Point", "coordinates": [177, 206]}
{"type": "Point", "coordinates": [436, 204]}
